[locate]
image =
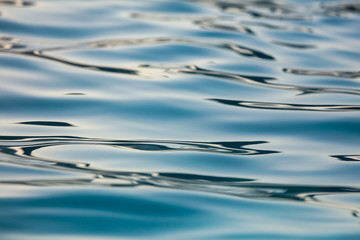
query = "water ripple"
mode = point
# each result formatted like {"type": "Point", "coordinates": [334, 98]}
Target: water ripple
{"type": "Point", "coordinates": [237, 187]}
{"type": "Point", "coordinates": [143, 69]}
{"type": "Point", "coordinates": [20, 153]}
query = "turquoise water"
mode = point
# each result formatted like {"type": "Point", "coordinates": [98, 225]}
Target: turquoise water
{"type": "Point", "coordinates": [202, 119]}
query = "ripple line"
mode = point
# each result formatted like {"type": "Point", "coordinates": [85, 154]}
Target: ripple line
{"type": "Point", "coordinates": [287, 106]}
{"type": "Point", "coordinates": [202, 22]}
{"type": "Point", "coordinates": [81, 65]}
{"type": "Point", "coordinates": [264, 81]}
{"type": "Point", "coordinates": [278, 27]}
{"type": "Point", "coordinates": [274, 10]}
{"type": "Point", "coordinates": [294, 45]}
{"type": "Point", "coordinates": [236, 48]}
{"type": "Point", "coordinates": [341, 74]}
{"type": "Point", "coordinates": [248, 52]}
{"type": "Point", "coordinates": [26, 145]}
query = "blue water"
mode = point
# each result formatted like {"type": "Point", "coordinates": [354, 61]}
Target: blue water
{"type": "Point", "coordinates": [201, 119]}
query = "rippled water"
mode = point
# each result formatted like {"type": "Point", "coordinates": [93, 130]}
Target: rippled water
{"type": "Point", "coordinates": [202, 119]}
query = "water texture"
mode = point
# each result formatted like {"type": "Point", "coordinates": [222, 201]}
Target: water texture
{"type": "Point", "coordinates": [201, 119]}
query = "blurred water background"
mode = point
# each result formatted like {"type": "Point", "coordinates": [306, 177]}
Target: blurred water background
{"type": "Point", "coordinates": [201, 119]}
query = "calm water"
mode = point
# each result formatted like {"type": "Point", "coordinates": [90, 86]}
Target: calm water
{"type": "Point", "coordinates": [201, 119]}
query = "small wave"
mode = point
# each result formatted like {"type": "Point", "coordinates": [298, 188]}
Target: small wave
{"type": "Point", "coordinates": [146, 70]}
{"type": "Point", "coordinates": [236, 187]}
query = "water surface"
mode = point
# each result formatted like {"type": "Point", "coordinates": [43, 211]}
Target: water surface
{"type": "Point", "coordinates": [205, 119]}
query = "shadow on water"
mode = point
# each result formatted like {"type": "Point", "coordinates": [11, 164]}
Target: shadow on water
{"type": "Point", "coordinates": [347, 158]}
{"type": "Point", "coordinates": [47, 123]}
